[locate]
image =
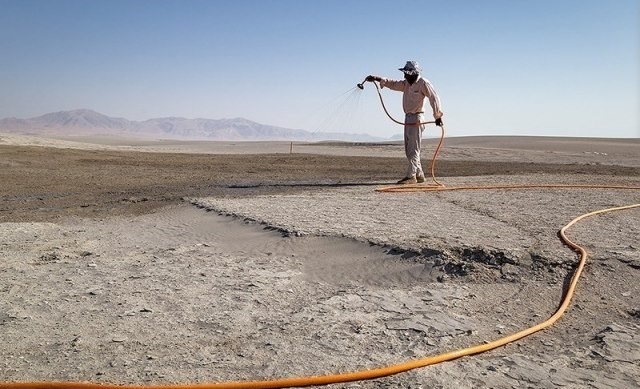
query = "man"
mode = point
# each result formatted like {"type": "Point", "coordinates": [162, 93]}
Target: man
{"type": "Point", "coordinates": [414, 89]}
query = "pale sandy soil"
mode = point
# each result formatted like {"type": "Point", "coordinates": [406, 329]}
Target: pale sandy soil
{"type": "Point", "coordinates": [124, 262]}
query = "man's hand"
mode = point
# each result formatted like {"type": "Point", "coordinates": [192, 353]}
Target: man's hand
{"type": "Point", "coordinates": [373, 78]}
{"type": "Point", "coordinates": [439, 122]}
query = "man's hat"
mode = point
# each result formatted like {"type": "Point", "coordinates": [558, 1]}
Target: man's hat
{"type": "Point", "coordinates": [411, 67]}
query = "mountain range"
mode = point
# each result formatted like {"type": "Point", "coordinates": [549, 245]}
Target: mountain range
{"type": "Point", "coordinates": [85, 122]}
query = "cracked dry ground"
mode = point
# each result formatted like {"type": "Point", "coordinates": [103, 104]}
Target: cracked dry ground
{"type": "Point", "coordinates": [41, 184]}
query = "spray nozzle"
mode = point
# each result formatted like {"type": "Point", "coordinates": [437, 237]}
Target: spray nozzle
{"type": "Point", "coordinates": [361, 85]}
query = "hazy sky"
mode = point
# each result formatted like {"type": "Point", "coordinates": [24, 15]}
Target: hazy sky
{"type": "Point", "coordinates": [521, 67]}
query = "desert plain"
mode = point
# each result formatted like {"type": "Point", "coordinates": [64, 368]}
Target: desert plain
{"type": "Point", "coordinates": [162, 262]}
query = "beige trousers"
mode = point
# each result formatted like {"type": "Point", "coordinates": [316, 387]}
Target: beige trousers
{"type": "Point", "coordinates": [413, 143]}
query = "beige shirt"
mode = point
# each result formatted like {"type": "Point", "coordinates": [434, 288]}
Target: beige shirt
{"type": "Point", "coordinates": [413, 95]}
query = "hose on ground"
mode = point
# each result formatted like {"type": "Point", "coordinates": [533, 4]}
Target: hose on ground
{"type": "Point", "coordinates": [371, 373]}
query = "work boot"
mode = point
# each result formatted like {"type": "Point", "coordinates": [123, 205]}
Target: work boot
{"type": "Point", "coordinates": [420, 178]}
{"type": "Point", "coordinates": [407, 180]}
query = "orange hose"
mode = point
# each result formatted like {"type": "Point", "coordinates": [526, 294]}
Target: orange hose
{"type": "Point", "coordinates": [435, 155]}
{"type": "Point", "coordinates": [366, 374]}
{"type": "Point", "coordinates": [431, 188]}
{"type": "Point", "coordinates": [389, 115]}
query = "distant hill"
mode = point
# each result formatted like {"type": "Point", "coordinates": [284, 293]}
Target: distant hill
{"type": "Point", "coordinates": [83, 122]}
